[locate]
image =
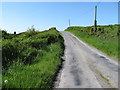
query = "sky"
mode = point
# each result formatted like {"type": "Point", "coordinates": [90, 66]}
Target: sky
{"type": "Point", "coordinates": [19, 16]}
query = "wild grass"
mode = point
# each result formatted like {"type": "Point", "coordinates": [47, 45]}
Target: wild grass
{"type": "Point", "coordinates": [105, 40]}
{"type": "Point", "coordinates": [38, 57]}
{"type": "Point", "coordinates": [38, 75]}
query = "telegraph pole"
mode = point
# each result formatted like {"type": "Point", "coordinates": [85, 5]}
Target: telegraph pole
{"type": "Point", "coordinates": [69, 22]}
{"type": "Point", "coordinates": [95, 20]}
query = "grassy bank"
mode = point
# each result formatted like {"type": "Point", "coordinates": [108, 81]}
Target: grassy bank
{"type": "Point", "coordinates": [31, 59]}
{"type": "Point", "coordinates": [104, 39]}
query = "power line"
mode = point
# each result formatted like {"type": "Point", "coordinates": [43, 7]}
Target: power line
{"type": "Point", "coordinates": [90, 10]}
{"type": "Point", "coordinates": [99, 2]}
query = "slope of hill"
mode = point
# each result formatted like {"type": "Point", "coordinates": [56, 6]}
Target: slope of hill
{"type": "Point", "coordinates": [31, 59]}
{"type": "Point", "coordinates": [104, 39]}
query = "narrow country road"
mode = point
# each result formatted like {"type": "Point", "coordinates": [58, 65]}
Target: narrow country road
{"type": "Point", "coordinates": [85, 66]}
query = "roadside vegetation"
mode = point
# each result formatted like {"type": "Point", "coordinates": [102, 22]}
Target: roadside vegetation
{"type": "Point", "coordinates": [31, 59]}
{"type": "Point", "coordinates": [105, 38]}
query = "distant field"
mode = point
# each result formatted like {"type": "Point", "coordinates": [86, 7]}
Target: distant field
{"type": "Point", "coordinates": [104, 39]}
{"type": "Point", "coordinates": [31, 59]}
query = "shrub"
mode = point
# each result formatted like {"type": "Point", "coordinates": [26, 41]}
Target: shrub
{"type": "Point", "coordinates": [9, 52]}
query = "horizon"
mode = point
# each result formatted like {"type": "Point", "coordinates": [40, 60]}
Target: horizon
{"type": "Point", "coordinates": [57, 29]}
{"type": "Point", "coordinates": [19, 16]}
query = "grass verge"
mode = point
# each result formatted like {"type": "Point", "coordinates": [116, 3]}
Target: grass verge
{"type": "Point", "coordinates": [106, 41]}
{"type": "Point", "coordinates": [38, 72]}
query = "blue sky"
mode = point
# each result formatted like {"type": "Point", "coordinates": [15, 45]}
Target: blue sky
{"type": "Point", "coordinates": [19, 16]}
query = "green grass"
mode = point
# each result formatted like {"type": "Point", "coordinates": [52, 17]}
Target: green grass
{"type": "Point", "coordinates": [37, 75]}
{"type": "Point", "coordinates": [38, 57]}
{"type": "Point", "coordinates": [107, 42]}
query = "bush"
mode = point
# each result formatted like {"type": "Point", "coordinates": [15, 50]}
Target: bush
{"type": "Point", "coordinates": [35, 58]}
{"type": "Point", "coordinates": [24, 46]}
{"type": "Point", "coordinates": [27, 56]}
{"type": "Point", "coordinates": [9, 52]}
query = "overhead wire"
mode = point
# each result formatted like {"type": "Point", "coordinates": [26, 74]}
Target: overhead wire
{"type": "Point", "coordinates": [90, 10]}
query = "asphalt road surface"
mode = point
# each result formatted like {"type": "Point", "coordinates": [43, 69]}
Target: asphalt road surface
{"type": "Point", "coordinates": [85, 66]}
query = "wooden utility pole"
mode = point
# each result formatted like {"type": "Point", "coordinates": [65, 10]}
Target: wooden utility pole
{"type": "Point", "coordinates": [95, 20]}
{"type": "Point", "coordinates": [69, 22]}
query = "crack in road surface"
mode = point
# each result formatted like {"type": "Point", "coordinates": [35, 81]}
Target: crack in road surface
{"type": "Point", "coordinates": [85, 66]}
